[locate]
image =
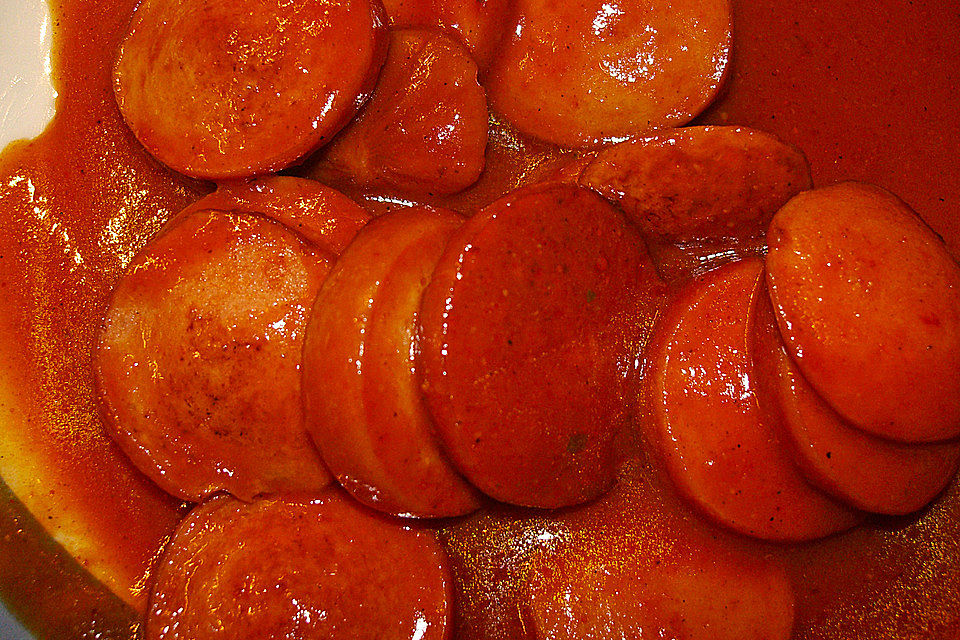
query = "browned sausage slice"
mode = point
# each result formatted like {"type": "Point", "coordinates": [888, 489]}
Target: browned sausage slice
{"type": "Point", "coordinates": [220, 89]}
{"type": "Point", "coordinates": [362, 397]}
{"type": "Point", "coordinates": [309, 570]}
{"type": "Point", "coordinates": [580, 73]}
{"type": "Point", "coordinates": [863, 471]}
{"type": "Point", "coordinates": [531, 325]}
{"type": "Point", "coordinates": [868, 303]}
{"type": "Point", "coordinates": [722, 453]}
{"type": "Point", "coordinates": [199, 356]}
{"type": "Point", "coordinates": [425, 128]}
{"type": "Point", "coordinates": [700, 182]}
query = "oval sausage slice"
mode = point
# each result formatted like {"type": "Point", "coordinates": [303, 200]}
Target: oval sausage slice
{"type": "Point", "coordinates": [531, 325]}
{"type": "Point", "coordinates": [220, 90]}
{"type": "Point", "coordinates": [425, 128]}
{"type": "Point", "coordinates": [722, 453]}
{"type": "Point", "coordinates": [361, 395]}
{"type": "Point", "coordinates": [868, 303]}
{"type": "Point", "coordinates": [700, 182]}
{"type": "Point", "coordinates": [198, 365]}
{"type": "Point", "coordinates": [310, 570]}
{"type": "Point", "coordinates": [685, 588]}
{"type": "Point", "coordinates": [581, 73]}
{"type": "Point", "coordinates": [323, 216]}
{"type": "Point", "coordinates": [479, 24]}
{"type": "Point", "coordinates": [863, 471]}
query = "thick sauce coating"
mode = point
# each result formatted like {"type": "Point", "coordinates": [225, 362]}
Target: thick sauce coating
{"type": "Point", "coordinates": [694, 589]}
{"type": "Point", "coordinates": [530, 346]}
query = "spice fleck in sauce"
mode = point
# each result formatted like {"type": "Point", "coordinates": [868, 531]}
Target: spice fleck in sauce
{"type": "Point", "coordinates": [868, 91]}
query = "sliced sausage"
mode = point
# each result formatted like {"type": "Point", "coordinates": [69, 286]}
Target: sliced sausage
{"type": "Point", "coordinates": [868, 302]}
{"type": "Point", "coordinates": [479, 24]}
{"type": "Point", "coordinates": [323, 216]}
{"type": "Point", "coordinates": [580, 73]}
{"type": "Point", "coordinates": [425, 129]}
{"type": "Point", "coordinates": [531, 324]}
{"type": "Point", "coordinates": [863, 471]}
{"type": "Point", "coordinates": [198, 364]}
{"type": "Point", "coordinates": [361, 395]}
{"type": "Point", "coordinates": [700, 182]}
{"type": "Point", "coordinates": [276, 569]}
{"type": "Point", "coordinates": [225, 90]}
{"type": "Point", "coordinates": [721, 452]}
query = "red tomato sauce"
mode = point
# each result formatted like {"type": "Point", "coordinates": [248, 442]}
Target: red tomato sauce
{"type": "Point", "coordinates": [868, 91]}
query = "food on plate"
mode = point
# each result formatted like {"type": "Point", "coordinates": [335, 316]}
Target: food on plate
{"type": "Point", "coordinates": [724, 453]}
{"type": "Point", "coordinates": [583, 332]}
{"type": "Point", "coordinates": [868, 303]}
{"type": "Point", "coordinates": [530, 325]}
{"type": "Point", "coordinates": [862, 470]}
{"type": "Point", "coordinates": [210, 304]}
{"type": "Point", "coordinates": [218, 90]}
{"type": "Point", "coordinates": [697, 183]}
{"type": "Point", "coordinates": [361, 394]}
{"type": "Point", "coordinates": [425, 127]}
{"type": "Point", "coordinates": [314, 569]}
{"type": "Point", "coordinates": [582, 73]}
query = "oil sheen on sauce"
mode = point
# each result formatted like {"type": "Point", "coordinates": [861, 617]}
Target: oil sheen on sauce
{"type": "Point", "coordinates": [867, 90]}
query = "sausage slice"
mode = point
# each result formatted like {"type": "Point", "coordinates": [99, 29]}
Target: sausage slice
{"type": "Point", "coordinates": [229, 90]}
{"type": "Point", "coordinates": [864, 471]}
{"type": "Point", "coordinates": [532, 325]}
{"type": "Point", "coordinates": [700, 182]}
{"type": "Point", "coordinates": [361, 395]}
{"type": "Point", "coordinates": [323, 216]}
{"type": "Point", "coordinates": [721, 452]}
{"type": "Point", "coordinates": [868, 302]}
{"type": "Point", "coordinates": [276, 569]}
{"type": "Point", "coordinates": [581, 73]}
{"type": "Point", "coordinates": [198, 364]}
{"type": "Point", "coordinates": [424, 131]}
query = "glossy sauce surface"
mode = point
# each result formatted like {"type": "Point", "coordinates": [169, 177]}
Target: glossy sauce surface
{"type": "Point", "coordinates": [867, 91]}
